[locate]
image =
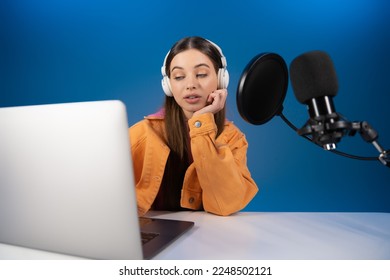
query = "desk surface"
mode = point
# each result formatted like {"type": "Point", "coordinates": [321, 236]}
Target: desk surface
{"type": "Point", "coordinates": [265, 235]}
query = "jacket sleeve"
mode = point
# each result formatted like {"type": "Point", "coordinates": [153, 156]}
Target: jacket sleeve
{"type": "Point", "coordinates": [221, 166]}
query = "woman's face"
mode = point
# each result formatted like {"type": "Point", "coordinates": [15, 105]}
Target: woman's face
{"type": "Point", "coordinates": [192, 79]}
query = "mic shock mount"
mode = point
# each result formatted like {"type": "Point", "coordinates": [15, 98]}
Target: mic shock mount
{"type": "Point", "coordinates": [325, 130]}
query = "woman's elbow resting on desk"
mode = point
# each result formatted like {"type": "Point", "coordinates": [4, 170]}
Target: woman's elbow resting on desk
{"type": "Point", "coordinates": [225, 208]}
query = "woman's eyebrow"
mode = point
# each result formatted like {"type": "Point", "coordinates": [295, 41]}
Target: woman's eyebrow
{"type": "Point", "coordinates": [201, 64]}
{"type": "Point", "coordinates": [196, 66]}
{"type": "Point", "coordinates": [177, 67]}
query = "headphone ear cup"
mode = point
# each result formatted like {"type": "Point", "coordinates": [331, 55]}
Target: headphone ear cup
{"type": "Point", "coordinates": [166, 86]}
{"type": "Point", "coordinates": [223, 78]}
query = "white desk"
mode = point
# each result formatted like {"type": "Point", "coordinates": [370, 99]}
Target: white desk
{"type": "Point", "coordinates": [264, 235]}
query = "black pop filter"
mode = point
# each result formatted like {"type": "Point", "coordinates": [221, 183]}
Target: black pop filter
{"type": "Point", "coordinates": [262, 88]}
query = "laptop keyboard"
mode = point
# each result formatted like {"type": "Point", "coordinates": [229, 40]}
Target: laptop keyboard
{"type": "Point", "coordinates": [146, 236]}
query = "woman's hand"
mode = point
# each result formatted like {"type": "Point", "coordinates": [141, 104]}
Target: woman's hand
{"type": "Point", "coordinates": [215, 102]}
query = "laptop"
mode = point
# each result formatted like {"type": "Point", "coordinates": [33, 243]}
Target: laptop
{"type": "Point", "coordinates": [67, 185]}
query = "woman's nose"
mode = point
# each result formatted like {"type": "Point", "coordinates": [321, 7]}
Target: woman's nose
{"type": "Point", "coordinates": [191, 82]}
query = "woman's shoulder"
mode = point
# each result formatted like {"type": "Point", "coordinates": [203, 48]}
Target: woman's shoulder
{"type": "Point", "coordinates": [139, 126]}
{"type": "Point", "coordinates": [232, 131]}
{"type": "Point", "coordinates": [148, 121]}
{"type": "Point", "coordinates": [149, 125]}
{"type": "Point", "coordinates": [146, 126]}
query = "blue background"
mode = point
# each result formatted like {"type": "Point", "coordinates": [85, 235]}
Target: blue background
{"type": "Point", "coordinates": [67, 51]}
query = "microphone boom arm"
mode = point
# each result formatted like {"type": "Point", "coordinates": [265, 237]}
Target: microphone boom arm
{"type": "Point", "coordinates": [370, 135]}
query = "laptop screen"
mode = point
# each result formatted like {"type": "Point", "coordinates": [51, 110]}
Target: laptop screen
{"type": "Point", "coordinates": [66, 180]}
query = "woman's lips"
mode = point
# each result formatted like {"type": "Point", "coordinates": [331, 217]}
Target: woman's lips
{"type": "Point", "coordinates": [192, 99]}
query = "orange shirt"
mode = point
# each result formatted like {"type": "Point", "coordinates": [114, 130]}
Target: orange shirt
{"type": "Point", "coordinates": [218, 179]}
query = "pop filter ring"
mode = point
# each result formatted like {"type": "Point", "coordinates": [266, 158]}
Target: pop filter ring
{"type": "Point", "coordinates": [263, 82]}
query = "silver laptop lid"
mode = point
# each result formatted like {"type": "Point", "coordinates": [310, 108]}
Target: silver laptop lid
{"type": "Point", "coordinates": [66, 180]}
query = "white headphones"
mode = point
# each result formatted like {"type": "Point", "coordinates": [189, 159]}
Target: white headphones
{"type": "Point", "coordinates": [223, 74]}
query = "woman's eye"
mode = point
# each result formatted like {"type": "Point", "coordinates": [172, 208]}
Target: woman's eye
{"type": "Point", "coordinates": [178, 78]}
{"type": "Point", "coordinates": [201, 75]}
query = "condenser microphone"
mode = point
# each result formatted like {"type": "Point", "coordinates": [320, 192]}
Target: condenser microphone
{"type": "Point", "coordinates": [314, 83]}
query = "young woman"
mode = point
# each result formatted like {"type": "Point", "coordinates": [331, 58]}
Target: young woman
{"type": "Point", "coordinates": [188, 156]}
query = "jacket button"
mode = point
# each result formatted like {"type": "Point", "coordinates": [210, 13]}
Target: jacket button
{"type": "Point", "coordinates": [191, 200]}
{"type": "Point", "coordinates": [198, 124]}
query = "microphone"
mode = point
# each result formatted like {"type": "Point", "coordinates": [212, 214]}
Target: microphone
{"type": "Point", "coordinates": [314, 83]}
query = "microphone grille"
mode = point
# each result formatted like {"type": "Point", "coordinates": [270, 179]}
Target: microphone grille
{"type": "Point", "coordinates": [312, 75]}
